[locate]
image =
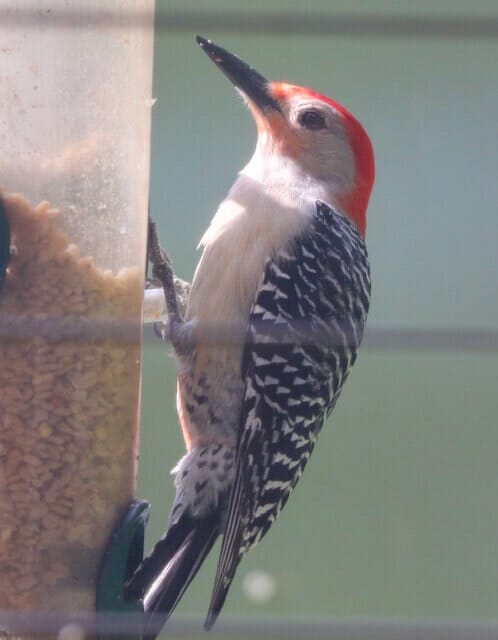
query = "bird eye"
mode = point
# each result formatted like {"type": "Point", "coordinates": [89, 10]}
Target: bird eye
{"type": "Point", "coordinates": [311, 119]}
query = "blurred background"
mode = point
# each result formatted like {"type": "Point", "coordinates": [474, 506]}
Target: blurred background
{"type": "Point", "coordinates": [397, 513]}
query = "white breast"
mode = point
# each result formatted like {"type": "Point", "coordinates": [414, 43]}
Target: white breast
{"type": "Point", "coordinates": [249, 226]}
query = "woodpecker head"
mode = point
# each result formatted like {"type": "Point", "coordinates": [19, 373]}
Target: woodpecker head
{"type": "Point", "coordinates": [304, 132]}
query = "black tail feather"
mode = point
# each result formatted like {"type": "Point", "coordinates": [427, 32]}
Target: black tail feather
{"type": "Point", "coordinates": [4, 242]}
{"type": "Point", "coordinates": [220, 591]}
{"type": "Point", "coordinates": [163, 577]}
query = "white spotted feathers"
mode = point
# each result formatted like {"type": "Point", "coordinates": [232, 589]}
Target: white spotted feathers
{"type": "Point", "coordinates": [302, 341]}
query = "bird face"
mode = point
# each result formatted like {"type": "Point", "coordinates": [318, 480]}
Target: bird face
{"type": "Point", "coordinates": [299, 127]}
{"type": "Point", "coordinates": [309, 129]}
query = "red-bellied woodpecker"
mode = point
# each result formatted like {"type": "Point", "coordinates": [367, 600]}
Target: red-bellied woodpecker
{"type": "Point", "coordinates": [284, 258]}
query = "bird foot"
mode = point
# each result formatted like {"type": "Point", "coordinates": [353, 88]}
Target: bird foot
{"type": "Point", "coordinates": [181, 334]}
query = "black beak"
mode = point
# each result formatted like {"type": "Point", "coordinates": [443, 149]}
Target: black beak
{"type": "Point", "coordinates": [248, 80]}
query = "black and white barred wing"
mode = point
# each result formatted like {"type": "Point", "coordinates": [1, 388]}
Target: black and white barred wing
{"type": "Point", "coordinates": [304, 331]}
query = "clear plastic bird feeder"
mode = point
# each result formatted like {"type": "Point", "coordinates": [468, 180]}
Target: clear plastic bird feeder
{"type": "Point", "coordinates": [75, 107]}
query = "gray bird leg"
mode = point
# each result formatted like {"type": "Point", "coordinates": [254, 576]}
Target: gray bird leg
{"type": "Point", "coordinates": [177, 331]}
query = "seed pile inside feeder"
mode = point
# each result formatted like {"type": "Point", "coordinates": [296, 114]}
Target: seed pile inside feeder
{"type": "Point", "coordinates": [69, 383]}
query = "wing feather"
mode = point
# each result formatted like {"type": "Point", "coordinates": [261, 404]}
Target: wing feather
{"type": "Point", "coordinates": [303, 333]}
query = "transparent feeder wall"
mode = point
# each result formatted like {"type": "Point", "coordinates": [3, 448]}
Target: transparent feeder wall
{"type": "Point", "coordinates": [75, 111]}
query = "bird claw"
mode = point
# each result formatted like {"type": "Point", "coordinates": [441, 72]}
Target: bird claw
{"type": "Point", "coordinates": [162, 269]}
{"type": "Point", "coordinates": [181, 334]}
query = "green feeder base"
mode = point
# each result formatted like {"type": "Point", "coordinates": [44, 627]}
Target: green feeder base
{"type": "Point", "coordinates": [122, 556]}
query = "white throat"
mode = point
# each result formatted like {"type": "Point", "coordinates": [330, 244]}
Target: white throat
{"type": "Point", "coordinates": [284, 180]}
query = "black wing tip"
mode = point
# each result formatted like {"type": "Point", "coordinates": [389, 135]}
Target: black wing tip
{"type": "Point", "coordinates": [211, 618]}
{"type": "Point", "coordinates": [223, 581]}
